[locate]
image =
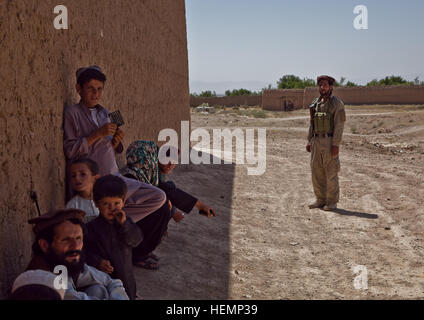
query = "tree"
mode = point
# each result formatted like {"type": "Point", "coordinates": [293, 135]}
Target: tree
{"type": "Point", "coordinates": [350, 84]}
{"type": "Point", "coordinates": [239, 92]}
{"type": "Point", "coordinates": [294, 82]}
{"type": "Point", "coordinates": [390, 81]}
{"type": "Point", "coordinates": [207, 93]}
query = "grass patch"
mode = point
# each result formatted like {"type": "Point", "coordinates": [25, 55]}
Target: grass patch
{"type": "Point", "coordinates": [258, 114]}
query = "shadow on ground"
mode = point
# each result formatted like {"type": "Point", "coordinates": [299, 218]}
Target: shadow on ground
{"type": "Point", "coordinates": [195, 257]}
{"type": "Point", "coordinates": [344, 212]}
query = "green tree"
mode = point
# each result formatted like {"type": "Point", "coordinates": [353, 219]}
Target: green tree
{"type": "Point", "coordinates": [239, 92]}
{"type": "Point", "coordinates": [390, 81]}
{"type": "Point", "coordinates": [294, 82]}
{"type": "Point", "coordinates": [207, 93]}
{"type": "Point", "coordinates": [350, 84]}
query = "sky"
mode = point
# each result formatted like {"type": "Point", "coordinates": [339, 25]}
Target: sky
{"type": "Point", "coordinates": [252, 43]}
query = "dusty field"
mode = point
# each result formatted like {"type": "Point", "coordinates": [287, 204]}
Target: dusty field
{"type": "Point", "coordinates": [266, 244]}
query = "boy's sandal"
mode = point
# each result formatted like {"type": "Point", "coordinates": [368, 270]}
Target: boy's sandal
{"type": "Point", "coordinates": [153, 256]}
{"type": "Point", "coordinates": [147, 264]}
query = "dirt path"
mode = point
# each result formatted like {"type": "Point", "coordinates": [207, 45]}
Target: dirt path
{"type": "Point", "coordinates": [266, 244]}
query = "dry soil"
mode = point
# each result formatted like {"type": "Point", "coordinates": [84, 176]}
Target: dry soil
{"type": "Point", "coordinates": [265, 243]}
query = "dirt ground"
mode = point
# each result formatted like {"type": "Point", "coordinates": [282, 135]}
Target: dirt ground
{"type": "Point", "coordinates": [266, 244]}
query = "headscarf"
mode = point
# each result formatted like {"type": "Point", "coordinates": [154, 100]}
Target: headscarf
{"type": "Point", "coordinates": [142, 162]}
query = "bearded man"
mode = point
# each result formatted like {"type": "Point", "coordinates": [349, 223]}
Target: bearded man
{"type": "Point", "coordinates": [324, 138]}
{"type": "Point", "coordinates": [58, 243]}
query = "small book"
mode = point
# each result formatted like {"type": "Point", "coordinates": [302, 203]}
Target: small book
{"type": "Point", "coordinates": [116, 118]}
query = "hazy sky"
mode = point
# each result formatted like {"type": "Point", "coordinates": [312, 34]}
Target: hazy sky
{"type": "Point", "coordinates": [233, 43]}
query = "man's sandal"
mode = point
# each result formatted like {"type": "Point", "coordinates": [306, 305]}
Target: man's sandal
{"type": "Point", "coordinates": [147, 263]}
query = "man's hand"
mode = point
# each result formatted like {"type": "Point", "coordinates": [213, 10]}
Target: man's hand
{"type": "Point", "coordinates": [204, 208]}
{"type": "Point", "coordinates": [308, 147]}
{"type": "Point", "coordinates": [105, 266]}
{"type": "Point", "coordinates": [117, 138]}
{"type": "Point", "coordinates": [120, 216]}
{"type": "Point", "coordinates": [334, 151]}
{"type": "Point", "coordinates": [178, 216]}
{"type": "Point", "coordinates": [109, 129]}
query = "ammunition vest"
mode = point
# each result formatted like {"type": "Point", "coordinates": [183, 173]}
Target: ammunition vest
{"type": "Point", "coordinates": [323, 119]}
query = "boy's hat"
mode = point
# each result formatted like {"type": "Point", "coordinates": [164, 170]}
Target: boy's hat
{"type": "Point", "coordinates": [80, 71]}
{"type": "Point", "coordinates": [54, 217]}
{"type": "Point", "coordinates": [37, 277]}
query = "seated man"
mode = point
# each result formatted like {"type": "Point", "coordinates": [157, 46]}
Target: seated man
{"type": "Point", "coordinates": [59, 242]}
{"type": "Point", "coordinates": [88, 132]}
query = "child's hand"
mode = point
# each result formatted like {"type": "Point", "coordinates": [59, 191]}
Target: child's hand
{"type": "Point", "coordinates": [117, 138]}
{"type": "Point", "coordinates": [178, 216]}
{"type": "Point", "coordinates": [105, 266]}
{"type": "Point", "coordinates": [120, 216]}
{"type": "Point", "coordinates": [108, 129]}
{"type": "Point", "coordinates": [204, 209]}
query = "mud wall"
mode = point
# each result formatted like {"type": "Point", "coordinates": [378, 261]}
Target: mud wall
{"type": "Point", "coordinates": [227, 101]}
{"type": "Point", "coordinates": [276, 100]}
{"type": "Point", "coordinates": [373, 95]}
{"type": "Point", "coordinates": [302, 98]}
{"type": "Point", "coordinates": [142, 48]}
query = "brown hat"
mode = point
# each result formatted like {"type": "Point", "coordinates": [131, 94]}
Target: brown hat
{"type": "Point", "coordinates": [54, 217]}
{"type": "Point", "coordinates": [330, 80]}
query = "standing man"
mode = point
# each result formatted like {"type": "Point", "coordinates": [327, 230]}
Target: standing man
{"type": "Point", "coordinates": [324, 138]}
{"type": "Point", "coordinates": [88, 132]}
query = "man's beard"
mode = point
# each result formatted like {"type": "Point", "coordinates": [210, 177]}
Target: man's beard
{"type": "Point", "coordinates": [326, 94]}
{"type": "Point", "coordinates": [74, 268]}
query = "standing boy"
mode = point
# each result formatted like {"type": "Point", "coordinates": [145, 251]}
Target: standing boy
{"type": "Point", "coordinates": [88, 132]}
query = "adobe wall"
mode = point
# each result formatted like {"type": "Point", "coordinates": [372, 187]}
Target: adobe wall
{"type": "Point", "coordinates": [227, 101]}
{"type": "Point", "coordinates": [142, 48]}
{"type": "Point", "coordinates": [372, 95]}
{"type": "Point", "coordinates": [302, 98]}
{"type": "Point", "coordinates": [273, 100]}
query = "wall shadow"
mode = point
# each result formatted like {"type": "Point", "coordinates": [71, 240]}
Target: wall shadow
{"type": "Point", "coordinates": [195, 257]}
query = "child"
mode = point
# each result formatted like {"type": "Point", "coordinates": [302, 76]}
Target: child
{"type": "Point", "coordinates": [112, 235]}
{"type": "Point", "coordinates": [83, 173]}
{"type": "Point", "coordinates": [143, 165]}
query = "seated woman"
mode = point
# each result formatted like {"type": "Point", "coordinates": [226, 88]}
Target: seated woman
{"type": "Point", "coordinates": [143, 165]}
